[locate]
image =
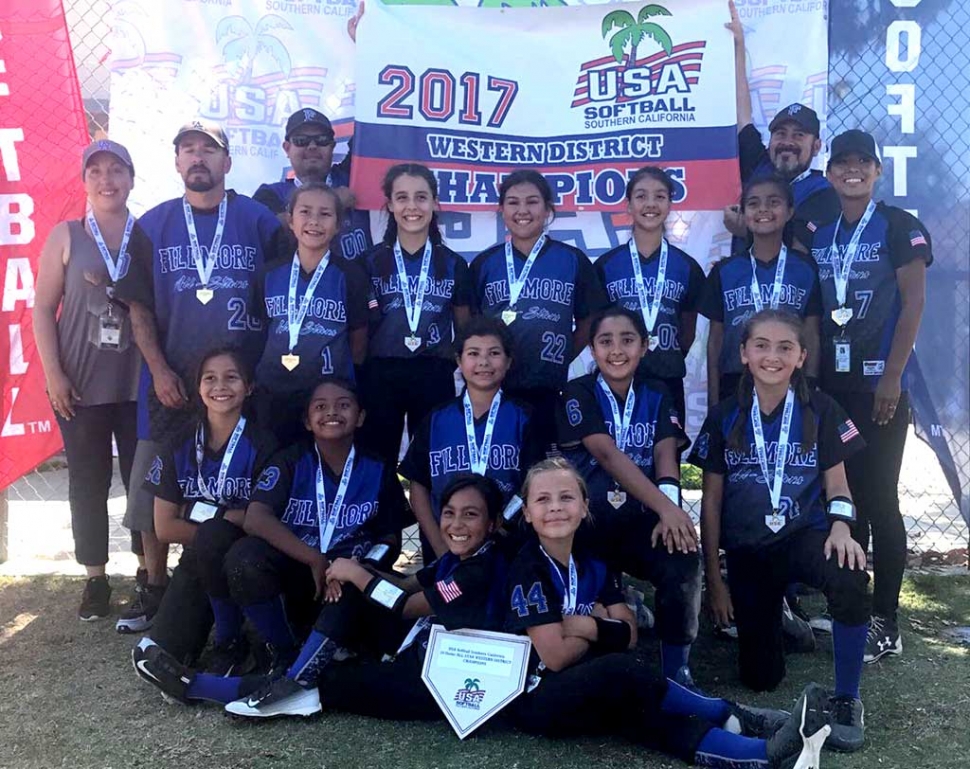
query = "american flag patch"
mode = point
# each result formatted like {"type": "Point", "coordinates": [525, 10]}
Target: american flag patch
{"type": "Point", "coordinates": [811, 226]}
{"type": "Point", "coordinates": [916, 238]}
{"type": "Point", "coordinates": [848, 431]}
{"type": "Point", "coordinates": [675, 420]}
{"type": "Point", "coordinates": [372, 304]}
{"type": "Point", "coordinates": [448, 589]}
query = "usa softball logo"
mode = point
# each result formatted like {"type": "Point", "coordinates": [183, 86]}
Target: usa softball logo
{"type": "Point", "coordinates": [626, 83]}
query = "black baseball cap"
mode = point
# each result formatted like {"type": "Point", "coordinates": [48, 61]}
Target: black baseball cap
{"type": "Point", "coordinates": [112, 148]}
{"type": "Point", "coordinates": [308, 117]}
{"type": "Point", "coordinates": [804, 116]}
{"type": "Point", "coordinates": [207, 127]}
{"type": "Point", "coordinates": [854, 141]}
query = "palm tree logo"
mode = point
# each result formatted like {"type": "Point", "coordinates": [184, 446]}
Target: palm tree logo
{"type": "Point", "coordinates": [472, 684]}
{"type": "Point", "coordinates": [632, 31]}
{"type": "Point", "coordinates": [246, 42]}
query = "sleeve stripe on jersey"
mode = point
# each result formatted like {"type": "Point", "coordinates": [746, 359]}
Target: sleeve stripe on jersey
{"type": "Point", "coordinates": [448, 589]}
{"type": "Point", "coordinates": [848, 431]}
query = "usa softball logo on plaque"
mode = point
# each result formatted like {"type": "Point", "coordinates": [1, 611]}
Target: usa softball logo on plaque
{"type": "Point", "coordinates": [584, 94]}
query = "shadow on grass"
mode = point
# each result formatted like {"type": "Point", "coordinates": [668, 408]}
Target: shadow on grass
{"type": "Point", "coordinates": [78, 703]}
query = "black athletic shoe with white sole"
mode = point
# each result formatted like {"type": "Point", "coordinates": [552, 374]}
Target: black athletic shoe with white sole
{"type": "Point", "coordinates": [755, 722]}
{"type": "Point", "coordinates": [883, 638]}
{"type": "Point", "coordinates": [159, 668]}
{"type": "Point", "coordinates": [797, 633]}
{"type": "Point", "coordinates": [282, 697]}
{"type": "Point", "coordinates": [138, 617]}
{"type": "Point", "coordinates": [798, 743]}
{"type": "Point", "coordinates": [847, 719]}
{"type": "Point", "coordinates": [95, 600]}
{"type": "Point", "coordinates": [228, 659]}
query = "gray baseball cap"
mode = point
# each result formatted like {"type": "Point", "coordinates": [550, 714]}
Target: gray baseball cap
{"type": "Point", "coordinates": [112, 148]}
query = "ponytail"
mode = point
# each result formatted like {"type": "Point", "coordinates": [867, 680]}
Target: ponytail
{"type": "Point", "coordinates": [421, 172]}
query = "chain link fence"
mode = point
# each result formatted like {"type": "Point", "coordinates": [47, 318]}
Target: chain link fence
{"type": "Point", "coordinates": [938, 179]}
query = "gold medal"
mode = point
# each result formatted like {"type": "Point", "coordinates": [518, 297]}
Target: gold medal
{"type": "Point", "coordinates": [204, 294]}
{"type": "Point", "coordinates": [290, 361]}
{"type": "Point", "coordinates": [509, 316]}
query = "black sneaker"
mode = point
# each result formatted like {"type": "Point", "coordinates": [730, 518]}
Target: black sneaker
{"type": "Point", "coordinates": [797, 633]}
{"type": "Point", "coordinates": [847, 719]}
{"type": "Point", "coordinates": [799, 740]}
{"type": "Point", "coordinates": [883, 638]}
{"type": "Point", "coordinates": [228, 659]}
{"type": "Point", "coordinates": [159, 668]}
{"type": "Point", "coordinates": [755, 722]}
{"type": "Point", "coordinates": [282, 697]}
{"type": "Point", "coordinates": [822, 623]}
{"type": "Point", "coordinates": [138, 617]}
{"type": "Point", "coordinates": [95, 600]}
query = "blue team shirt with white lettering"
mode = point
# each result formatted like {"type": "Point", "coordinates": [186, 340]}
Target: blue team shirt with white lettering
{"type": "Point", "coordinates": [727, 297]}
{"type": "Point", "coordinates": [338, 306]}
{"type": "Point", "coordinates": [439, 451]}
{"type": "Point", "coordinates": [746, 499]}
{"type": "Point", "coordinates": [562, 287]}
{"type": "Point", "coordinates": [174, 472]}
{"type": "Point", "coordinates": [683, 284]}
{"type": "Point", "coordinates": [585, 411]}
{"type": "Point", "coordinates": [353, 239]}
{"type": "Point", "coordinates": [187, 328]}
{"type": "Point", "coordinates": [448, 287]}
{"type": "Point", "coordinates": [372, 508]}
{"type": "Point", "coordinates": [892, 239]}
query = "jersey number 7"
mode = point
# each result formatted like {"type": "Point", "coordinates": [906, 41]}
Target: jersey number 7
{"type": "Point", "coordinates": [521, 602]}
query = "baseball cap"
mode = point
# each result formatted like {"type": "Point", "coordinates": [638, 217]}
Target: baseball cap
{"type": "Point", "coordinates": [804, 116]}
{"type": "Point", "coordinates": [208, 127]}
{"type": "Point", "coordinates": [112, 148]}
{"type": "Point", "coordinates": [854, 141]}
{"type": "Point", "coordinates": [307, 117]}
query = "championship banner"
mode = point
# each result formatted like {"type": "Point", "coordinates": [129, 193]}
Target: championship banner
{"type": "Point", "coordinates": [585, 95]}
{"type": "Point", "coordinates": [42, 134]}
{"type": "Point", "coordinates": [247, 64]}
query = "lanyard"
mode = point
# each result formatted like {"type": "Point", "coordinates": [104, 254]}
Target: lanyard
{"type": "Point", "coordinates": [649, 306]}
{"type": "Point", "coordinates": [781, 455]}
{"type": "Point", "coordinates": [570, 593]}
{"type": "Point", "coordinates": [803, 175]}
{"type": "Point", "coordinates": [327, 523]}
{"type": "Point", "coordinates": [759, 305]}
{"type": "Point", "coordinates": [113, 266]}
{"type": "Point", "coordinates": [517, 284]}
{"type": "Point", "coordinates": [205, 266]}
{"type": "Point", "coordinates": [294, 316]}
{"type": "Point", "coordinates": [478, 455]}
{"type": "Point", "coordinates": [621, 425]}
{"type": "Point", "coordinates": [412, 307]}
{"type": "Point", "coordinates": [842, 268]}
{"type": "Point", "coordinates": [226, 459]}
{"type": "Point", "coordinates": [297, 183]}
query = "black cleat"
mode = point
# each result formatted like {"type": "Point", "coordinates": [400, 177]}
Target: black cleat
{"type": "Point", "coordinates": [797, 633]}
{"type": "Point", "coordinates": [159, 668]}
{"type": "Point", "coordinates": [282, 697]}
{"type": "Point", "coordinates": [755, 722]}
{"type": "Point", "coordinates": [799, 741]}
{"type": "Point", "coordinates": [847, 719]}
{"type": "Point", "coordinates": [883, 638]}
{"type": "Point", "coordinates": [138, 617]}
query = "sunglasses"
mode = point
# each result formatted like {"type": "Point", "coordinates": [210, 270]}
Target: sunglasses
{"type": "Point", "coordinates": [317, 140]}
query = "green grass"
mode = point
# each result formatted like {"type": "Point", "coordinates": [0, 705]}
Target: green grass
{"type": "Point", "coordinates": [69, 698]}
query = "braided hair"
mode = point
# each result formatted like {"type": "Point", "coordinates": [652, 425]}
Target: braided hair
{"type": "Point", "coordinates": [799, 382]}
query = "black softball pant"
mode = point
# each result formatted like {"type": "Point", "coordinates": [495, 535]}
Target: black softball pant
{"type": "Point", "coordinates": [387, 690]}
{"type": "Point", "coordinates": [282, 414]}
{"type": "Point", "coordinates": [873, 475]}
{"type": "Point", "coordinates": [257, 572]}
{"type": "Point", "coordinates": [758, 579]}
{"type": "Point", "coordinates": [87, 446]}
{"type": "Point", "coordinates": [624, 544]}
{"type": "Point", "coordinates": [184, 618]}
{"type": "Point", "coordinates": [392, 388]}
{"type": "Point", "coordinates": [543, 401]}
{"type": "Point", "coordinates": [613, 694]}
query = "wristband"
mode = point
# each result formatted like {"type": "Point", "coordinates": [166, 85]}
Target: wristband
{"type": "Point", "coordinates": [202, 511]}
{"type": "Point", "coordinates": [376, 555]}
{"type": "Point", "coordinates": [670, 488]}
{"type": "Point", "coordinates": [386, 594]}
{"type": "Point", "coordinates": [612, 634]}
{"type": "Point", "coordinates": [841, 509]}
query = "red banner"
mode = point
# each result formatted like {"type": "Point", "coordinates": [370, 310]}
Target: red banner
{"type": "Point", "coordinates": [42, 134]}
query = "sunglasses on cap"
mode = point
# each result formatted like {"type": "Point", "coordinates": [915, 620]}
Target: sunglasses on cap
{"type": "Point", "coordinates": [317, 140]}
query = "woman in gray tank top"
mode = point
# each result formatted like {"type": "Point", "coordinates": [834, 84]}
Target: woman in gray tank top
{"type": "Point", "coordinates": [89, 356]}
